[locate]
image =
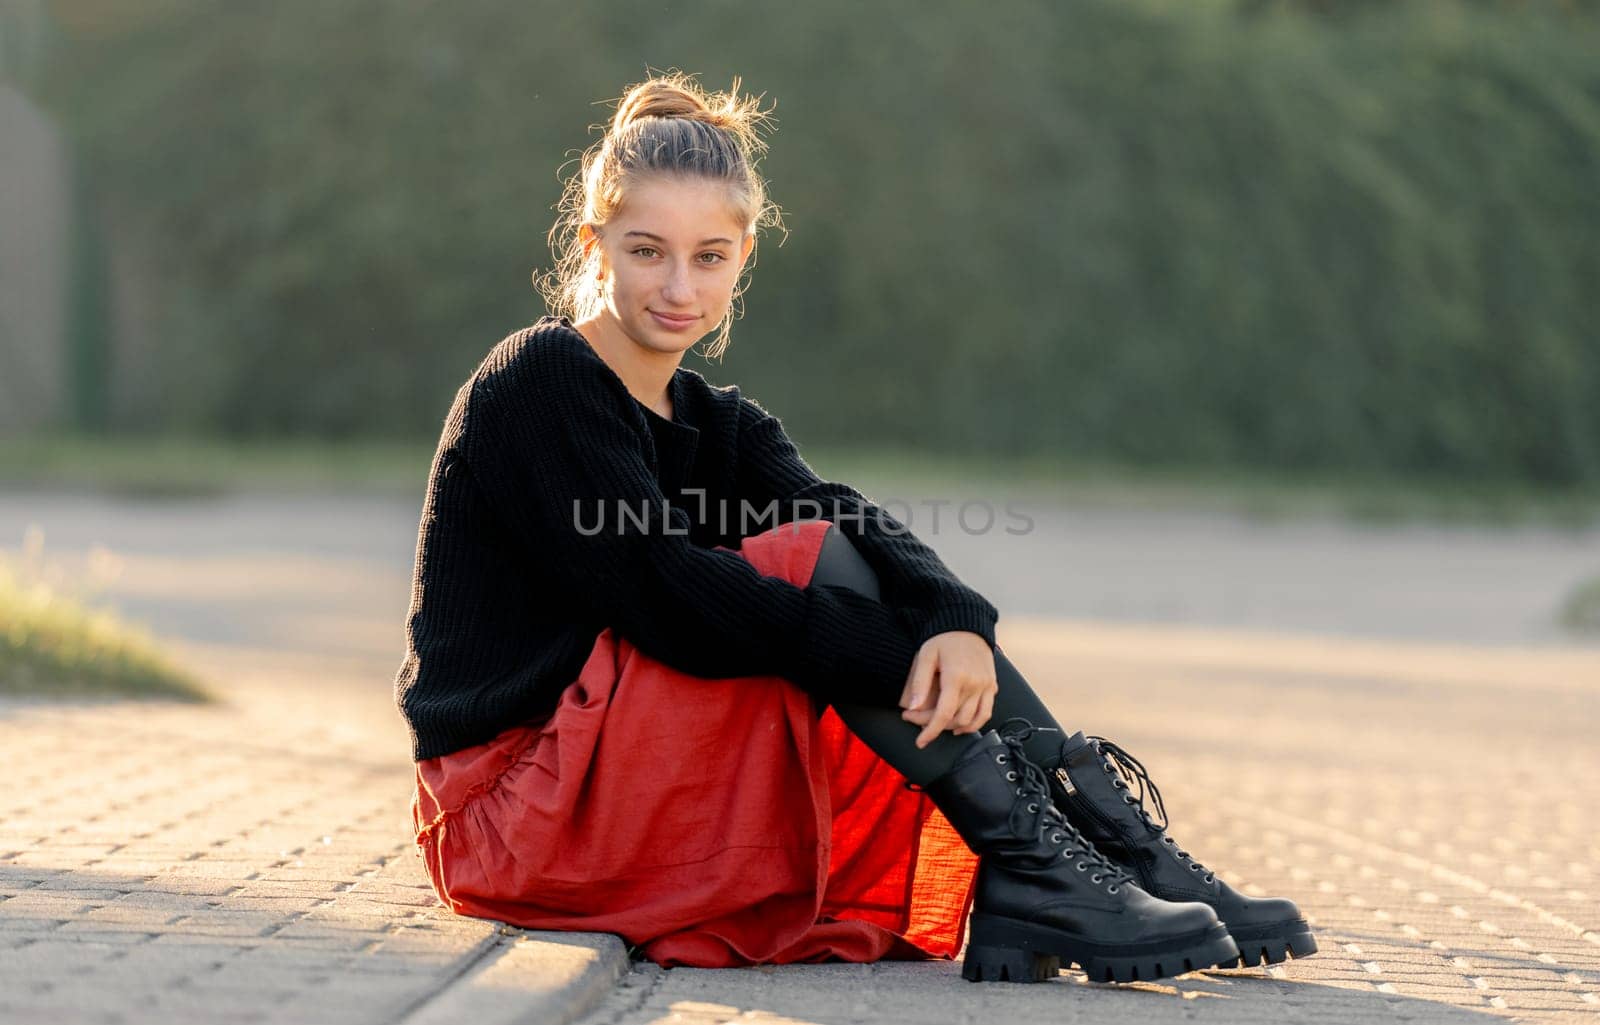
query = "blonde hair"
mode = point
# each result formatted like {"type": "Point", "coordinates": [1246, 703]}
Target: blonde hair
{"type": "Point", "coordinates": [666, 125]}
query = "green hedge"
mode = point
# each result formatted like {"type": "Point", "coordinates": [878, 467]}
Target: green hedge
{"type": "Point", "coordinates": [1246, 234]}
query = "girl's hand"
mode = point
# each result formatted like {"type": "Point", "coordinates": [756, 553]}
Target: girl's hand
{"type": "Point", "coordinates": [951, 686]}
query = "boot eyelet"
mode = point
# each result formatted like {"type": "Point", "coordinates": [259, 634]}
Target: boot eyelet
{"type": "Point", "coordinates": [1000, 758]}
{"type": "Point", "coordinates": [1083, 866]}
{"type": "Point", "coordinates": [1033, 807]}
{"type": "Point", "coordinates": [1056, 838]}
{"type": "Point", "coordinates": [1112, 888]}
{"type": "Point", "coordinates": [1096, 877]}
{"type": "Point", "coordinates": [1194, 868]}
{"type": "Point", "coordinates": [1012, 776]}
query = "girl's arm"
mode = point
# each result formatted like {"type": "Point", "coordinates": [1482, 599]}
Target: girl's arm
{"type": "Point", "coordinates": [911, 574]}
{"type": "Point", "coordinates": [550, 445]}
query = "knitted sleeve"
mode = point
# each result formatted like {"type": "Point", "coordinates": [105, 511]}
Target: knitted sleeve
{"type": "Point", "coordinates": [557, 457]}
{"type": "Point", "coordinates": [911, 574]}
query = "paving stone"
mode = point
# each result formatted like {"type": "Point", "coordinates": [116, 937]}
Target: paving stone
{"type": "Point", "coordinates": [226, 864]}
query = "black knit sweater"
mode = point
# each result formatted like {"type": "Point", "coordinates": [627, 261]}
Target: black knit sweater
{"type": "Point", "coordinates": [558, 504]}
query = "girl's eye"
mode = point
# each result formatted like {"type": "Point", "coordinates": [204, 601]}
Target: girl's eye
{"type": "Point", "coordinates": [650, 251]}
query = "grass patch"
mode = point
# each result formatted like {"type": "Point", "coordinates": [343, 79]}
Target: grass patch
{"type": "Point", "coordinates": [52, 644]}
{"type": "Point", "coordinates": [1255, 494]}
{"type": "Point", "coordinates": [1580, 613]}
{"type": "Point", "coordinates": [176, 467]}
{"type": "Point", "coordinates": [182, 467]}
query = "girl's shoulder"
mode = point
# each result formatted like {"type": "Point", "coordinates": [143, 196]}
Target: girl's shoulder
{"type": "Point", "coordinates": [548, 345]}
{"type": "Point", "coordinates": [753, 414]}
{"type": "Point", "coordinates": [546, 361]}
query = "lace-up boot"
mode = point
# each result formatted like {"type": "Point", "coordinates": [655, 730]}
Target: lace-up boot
{"type": "Point", "coordinates": [1044, 895]}
{"type": "Point", "coordinates": [1092, 788]}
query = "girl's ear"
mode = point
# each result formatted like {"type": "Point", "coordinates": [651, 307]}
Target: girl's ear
{"type": "Point", "coordinates": [589, 239]}
{"type": "Point", "coordinates": [749, 244]}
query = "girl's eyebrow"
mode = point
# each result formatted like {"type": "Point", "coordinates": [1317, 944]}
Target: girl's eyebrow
{"type": "Point", "coordinates": [704, 242]}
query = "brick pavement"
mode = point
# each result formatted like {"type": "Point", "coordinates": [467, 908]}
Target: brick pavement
{"type": "Point", "coordinates": [243, 862]}
{"type": "Point", "coordinates": [1429, 806]}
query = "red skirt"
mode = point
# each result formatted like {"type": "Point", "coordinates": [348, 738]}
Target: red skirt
{"type": "Point", "coordinates": [712, 823]}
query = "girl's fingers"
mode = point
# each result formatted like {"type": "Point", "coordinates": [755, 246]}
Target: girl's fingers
{"type": "Point", "coordinates": [966, 717]}
{"type": "Point", "coordinates": [922, 682]}
{"type": "Point", "coordinates": [910, 688]}
{"type": "Point", "coordinates": [920, 716]}
{"type": "Point", "coordinates": [985, 709]}
{"type": "Point", "coordinates": [948, 703]}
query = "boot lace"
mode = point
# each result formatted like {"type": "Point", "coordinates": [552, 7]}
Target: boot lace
{"type": "Point", "coordinates": [1032, 782]}
{"type": "Point", "coordinates": [1125, 769]}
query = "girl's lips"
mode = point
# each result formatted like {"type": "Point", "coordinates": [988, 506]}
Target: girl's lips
{"type": "Point", "coordinates": [671, 322]}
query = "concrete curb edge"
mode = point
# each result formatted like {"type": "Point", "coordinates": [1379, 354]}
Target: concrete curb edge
{"type": "Point", "coordinates": [553, 978]}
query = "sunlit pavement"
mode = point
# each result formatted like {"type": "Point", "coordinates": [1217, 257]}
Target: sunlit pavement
{"type": "Point", "coordinates": [1429, 803]}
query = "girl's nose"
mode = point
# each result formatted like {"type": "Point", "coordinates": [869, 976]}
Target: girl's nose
{"type": "Point", "coordinates": [677, 289]}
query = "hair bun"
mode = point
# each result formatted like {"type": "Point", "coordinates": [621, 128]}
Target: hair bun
{"type": "Point", "coordinates": [659, 97]}
{"type": "Point", "coordinates": [675, 94]}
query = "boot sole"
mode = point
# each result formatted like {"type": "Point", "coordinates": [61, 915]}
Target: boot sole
{"type": "Point", "coordinates": [1275, 943]}
{"type": "Point", "coordinates": [1007, 950]}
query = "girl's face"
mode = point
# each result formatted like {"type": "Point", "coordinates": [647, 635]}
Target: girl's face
{"type": "Point", "coordinates": [669, 260]}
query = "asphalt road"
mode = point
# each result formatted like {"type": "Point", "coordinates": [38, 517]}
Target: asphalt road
{"type": "Point", "coordinates": [333, 572]}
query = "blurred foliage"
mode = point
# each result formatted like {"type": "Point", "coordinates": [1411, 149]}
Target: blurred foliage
{"type": "Point", "coordinates": [1358, 237]}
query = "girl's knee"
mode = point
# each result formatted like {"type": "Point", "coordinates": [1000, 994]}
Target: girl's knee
{"type": "Point", "coordinates": [839, 563]}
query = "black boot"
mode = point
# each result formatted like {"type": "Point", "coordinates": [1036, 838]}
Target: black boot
{"type": "Point", "coordinates": [1044, 895]}
{"type": "Point", "coordinates": [1092, 788]}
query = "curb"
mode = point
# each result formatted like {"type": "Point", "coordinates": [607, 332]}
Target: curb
{"type": "Point", "coordinates": [552, 978]}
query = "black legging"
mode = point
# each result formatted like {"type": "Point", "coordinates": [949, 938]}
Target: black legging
{"type": "Point", "coordinates": [894, 739]}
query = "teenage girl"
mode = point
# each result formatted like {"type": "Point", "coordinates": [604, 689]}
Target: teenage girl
{"type": "Point", "coordinates": [664, 681]}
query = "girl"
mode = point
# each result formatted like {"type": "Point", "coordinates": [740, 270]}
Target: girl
{"type": "Point", "coordinates": [664, 681]}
